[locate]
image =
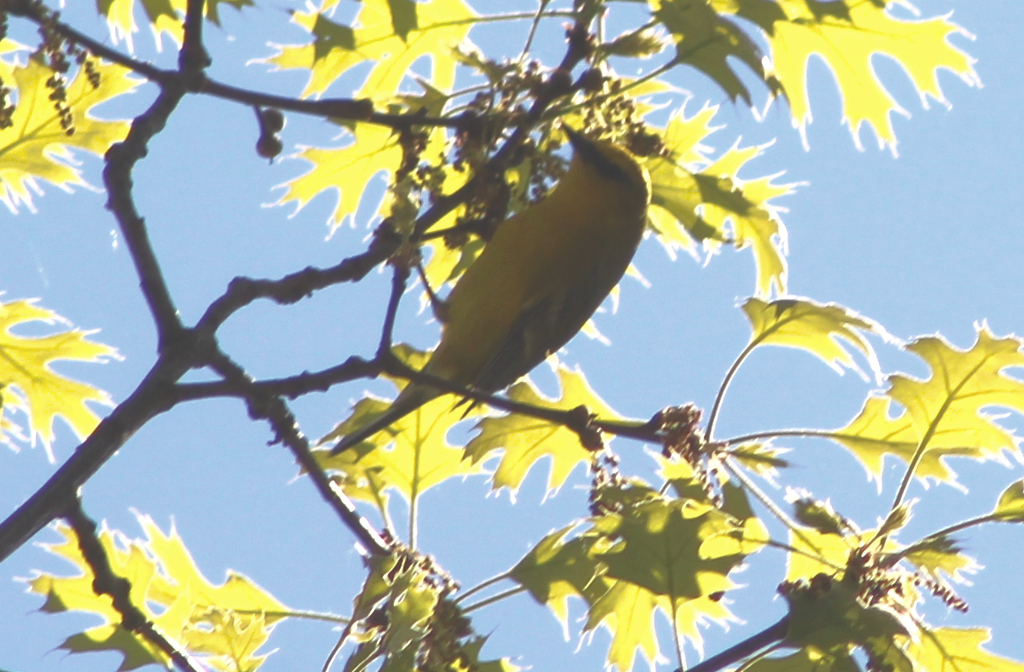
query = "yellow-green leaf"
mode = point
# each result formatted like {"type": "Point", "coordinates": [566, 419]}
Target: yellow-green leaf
{"type": "Point", "coordinates": [223, 625]}
{"type": "Point", "coordinates": [525, 440]}
{"type": "Point", "coordinates": [944, 414]}
{"type": "Point", "coordinates": [28, 381]}
{"type": "Point", "coordinates": [743, 208]}
{"type": "Point", "coordinates": [824, 330]}
{"type": "Point", "coordinates": [707, 40]}
{"type": "Point", "coordinates": [762, 458]}
{"type": "Point", "coordinates": [662, 555]}
{"type": "Point", "coordinates": [817, 553]}
{"type": "Point", "coordinates": [938, 556]}
{"type": "Point", "coordinates": [959, 650]}
{"type": "Point", "coordinates": [695, 200]}
{"type": "Point", "coordinates": [411, 456]}
{"type": "Point", "coordinates": [164, 16]}
{"type": "Point", "coordinates": [806, 660]}
{"type": "Point", "coordinates": [847, 34]}
{"type": "Point", "coordinates": [1010, 507]}
{"type": "Point", "coordinates": [36, 147]}
{"type": "Point", "coordinates": [347, 169]}
{"type": "Point", "coordinates": [830, 616]}
{"type": "Point", "coordinates": [558, 568]}
{"type": "Point", "coordinates": [663, 546]}
{"type": "Point", "coordinates": [658, 554]}
{"type": "Point", "coordinates": [375, 38]}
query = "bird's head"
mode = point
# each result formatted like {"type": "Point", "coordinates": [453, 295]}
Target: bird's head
{"type": "Point", "coordinates": [612, 164]}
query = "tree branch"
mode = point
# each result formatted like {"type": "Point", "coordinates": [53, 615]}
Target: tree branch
{"type": "Point", "coordinates": [107, 582]}
{"type": "Point", "coordinates": [193, 58]}
{"type": "Point", "coordinates": [151, 398]}
{"type": "Point", "coordinates": [748, 647]}
{"type": "Point", "coordinates": [117, 176]}
{"type": "Point", "coordinates": [293, 287]}
{"type": "Point", "coordinates": [275, 411]}
{"type": "Point", "coordinates": [398, 282]}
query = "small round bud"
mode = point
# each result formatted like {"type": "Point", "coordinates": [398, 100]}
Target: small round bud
{"type": "Point", "coordinates": [269, 146]}
{"type": "Point", "coordinates": [272, 120]}
{"type": "Point", "coordinates": [592, 81]}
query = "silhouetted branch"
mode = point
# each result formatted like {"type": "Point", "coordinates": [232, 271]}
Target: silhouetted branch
{"type": "Point", "coordinates": [107, 582]}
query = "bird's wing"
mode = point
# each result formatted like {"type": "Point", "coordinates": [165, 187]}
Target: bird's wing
{"type": "Point", "coordinates": [544, 326]}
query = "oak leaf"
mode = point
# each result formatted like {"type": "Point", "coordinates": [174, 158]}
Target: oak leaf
{"type": "Point", "coordinates": [943, 415]}
{"type": "Point", "coordinates": [37, 147]}
{"type": "Point", "coordinates": [224, 625]}
{"type": "Point", "coordinates": [28, 383]}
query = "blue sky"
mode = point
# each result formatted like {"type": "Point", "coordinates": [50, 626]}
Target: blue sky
{"type": "Point", "coordinates": [926, 243]}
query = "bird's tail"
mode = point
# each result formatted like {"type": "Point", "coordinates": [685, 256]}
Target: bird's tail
{"type": "Point", "coordinates": [411, 398]}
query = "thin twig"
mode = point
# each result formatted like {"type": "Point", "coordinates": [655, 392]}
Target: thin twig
{"type": "Point", "coordinates": [293, 287]}
{"type": "Point", "coordinates": [117, 176]}
{"type": "Point", "coordinates": [291, 387]}
{"type": "Point", "coordinates": [275, 411]}
{"type": "Point", "coordinates": [399, 280]}
{"type": "Point", "coordinates": [107, 582]}
{"type": "Point", "coordinates": [494, 598]}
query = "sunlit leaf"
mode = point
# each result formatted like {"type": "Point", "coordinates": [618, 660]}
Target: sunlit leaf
{"type": "Point", "coordinates": [817, 553]}
{"type": "Point", "coordinates": [411, 456]}
{"type": "Point", "coordinates": [940, 556]}
{"type": "Point", "coordinates": [806, 660]}
{"type": "Point", "coordinates": [696, 200]}
{"type": "Point", "coordinates": [558, 568]}
{"type": "Point", "coordinates": [224, 625]}
{"type": "Point", "coordinates": [1010, 507]}
{"type": "Point", "coordinates": [762, 458]}
{"type": "Point", "coordinates": [163, 16]}
{"type": "Point", "coordinates": [657, 555]}
{"type": "Point", "coordinates": [525, 440]}
{"type": "Point", "coordinates": [847, 34]}
{"type": "Point", "coordinates": [37, 148]}
{"type": "Point", "coordinates": [337, 48]}
{"type": "Point", "coordinates": [828, 618]}
{"type": "Point", "coordinates": [824, 330]}
{"type": "Point", "coordinates": [958, 649]}
{"type": "Point", "coordinates": [944, 414]}
{"type": "Point", "coordinates": [28, 381]}
{"type": "Point", "coordinates": [348, 169]}
{"type": "Point", "coordinates": [707, 40]}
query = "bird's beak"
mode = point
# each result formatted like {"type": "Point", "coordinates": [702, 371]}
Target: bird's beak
{"type": "Point", "coordinates": [577, 141]}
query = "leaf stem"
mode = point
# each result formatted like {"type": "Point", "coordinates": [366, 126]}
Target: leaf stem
{"type": "Point", "coordinates": [675, 633]}
{"type": "Point", "coordinates": [777, 433]}
{"type": "Point", "coordinates": [294, 613]}
{"type": "Point", "coordinates": [767, 502]}
{"type": "Point", "coordinates": [494, 598]}
{"type": "Point", "coordinates": [533, 29]}
{"type": "Point", "coordinates": [481, 586]}
{"type": "Point", "coordinates": [713, 416]}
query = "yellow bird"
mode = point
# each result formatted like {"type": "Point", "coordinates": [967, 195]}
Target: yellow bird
{"type": "Point", "coordinates": [538, 280]}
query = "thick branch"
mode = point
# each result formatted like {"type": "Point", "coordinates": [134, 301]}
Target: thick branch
{"type": "Point", "coordinates": [117, 176]}
{"type": "Point", "coordinates": [748, 647]}
{"type": "Point", "coordinates": [153, 397]}
{"type": "Point", "coordinates": [193, 58]}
